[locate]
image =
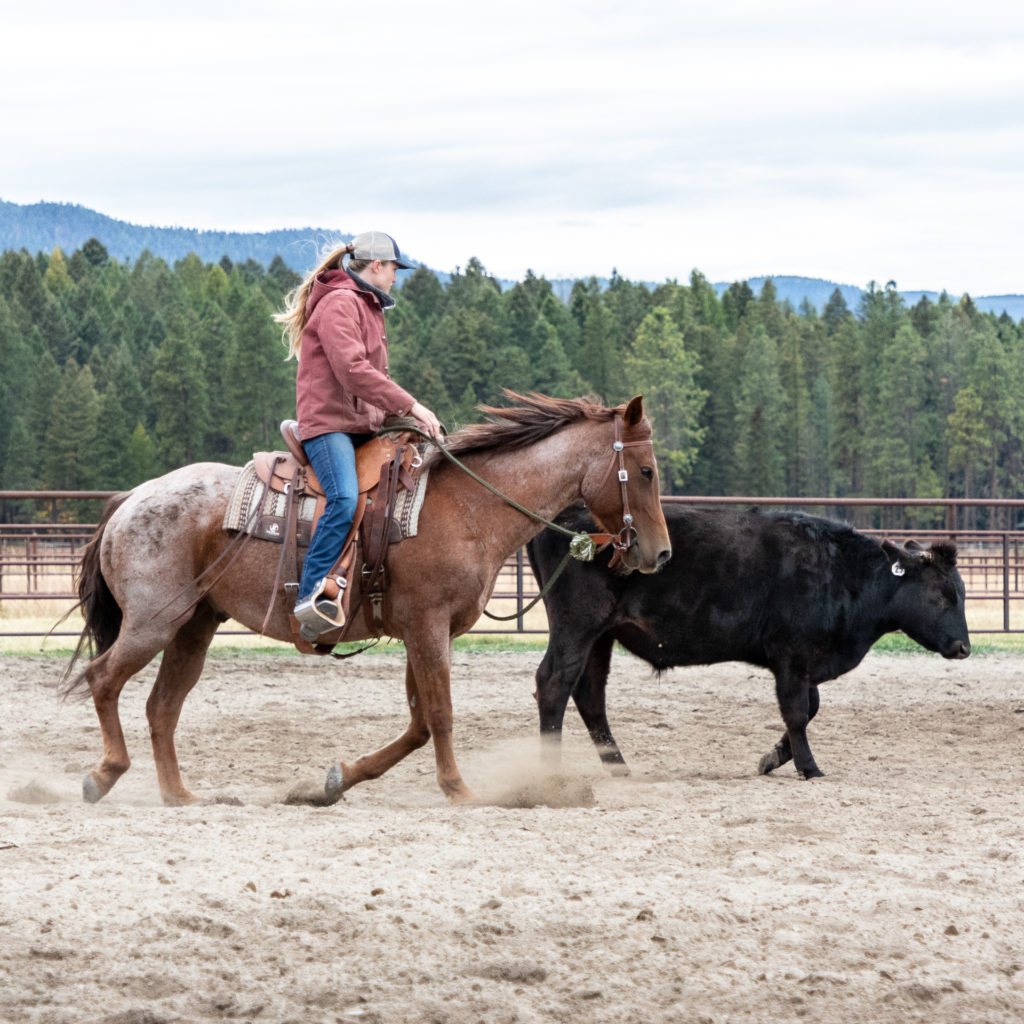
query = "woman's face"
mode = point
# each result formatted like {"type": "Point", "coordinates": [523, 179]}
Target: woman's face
{"type": "Point", "coordinates": [382, 274]}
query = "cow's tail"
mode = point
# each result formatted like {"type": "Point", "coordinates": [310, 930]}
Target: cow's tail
{"type": "Point", "coordinates": [101, 612]}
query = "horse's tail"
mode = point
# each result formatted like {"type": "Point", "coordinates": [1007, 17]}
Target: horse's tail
{"type": "Point", "coordinates": [101, 612]}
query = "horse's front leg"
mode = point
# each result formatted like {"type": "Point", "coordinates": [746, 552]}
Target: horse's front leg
{"type": "Point", "coordinates": [371, 766]}
{"type": "Point", "coordinates": [430, 656]}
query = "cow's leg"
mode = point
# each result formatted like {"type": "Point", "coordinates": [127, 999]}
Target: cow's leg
{"type": "Point", "coordinates": [589, 697]}
{"type": "Point", "coordinates": [556, 677]}
{"type": "Point", "coordinates": [798, 702]}
{"type": "Point", "coordinates": [180, 669]}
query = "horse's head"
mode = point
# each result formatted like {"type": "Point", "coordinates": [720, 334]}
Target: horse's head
{"type": "Point", "coordinates": [623, 493]}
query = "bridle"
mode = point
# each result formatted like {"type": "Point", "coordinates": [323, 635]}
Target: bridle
{"type": "Point", "coordinates": [622, 541]}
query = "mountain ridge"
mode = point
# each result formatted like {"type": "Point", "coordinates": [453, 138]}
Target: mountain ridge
{"type": "Point", "coordinates": [43, 226]}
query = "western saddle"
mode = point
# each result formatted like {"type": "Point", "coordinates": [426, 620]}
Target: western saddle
{"type": "Point", "coordinates": [384, 464]}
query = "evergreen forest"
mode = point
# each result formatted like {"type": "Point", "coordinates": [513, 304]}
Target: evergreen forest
{"type": "Point", "coordinates": [114, 372]}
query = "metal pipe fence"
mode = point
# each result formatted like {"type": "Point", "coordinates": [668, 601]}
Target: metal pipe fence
{"type": "Point", "coordinates": [39, 557]}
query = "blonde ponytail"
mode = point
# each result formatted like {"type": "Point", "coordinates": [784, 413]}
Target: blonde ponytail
{"type": "Point", "coordinates": [293, 317]}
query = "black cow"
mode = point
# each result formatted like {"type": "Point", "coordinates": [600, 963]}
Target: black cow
{"type": "Point", "coordinates": [803, 596]}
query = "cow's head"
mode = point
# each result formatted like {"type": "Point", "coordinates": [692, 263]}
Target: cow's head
{"type": "Point", "coordinates": [929, 597]}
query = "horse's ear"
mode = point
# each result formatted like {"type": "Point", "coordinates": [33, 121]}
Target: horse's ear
{"type": "Point", "coordinates": [634, 411]}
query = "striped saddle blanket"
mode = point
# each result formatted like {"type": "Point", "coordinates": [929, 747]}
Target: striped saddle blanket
{"type": "Point", "coordinates": [267, 521]}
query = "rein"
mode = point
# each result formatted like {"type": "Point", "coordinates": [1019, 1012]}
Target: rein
{"type": "Point", "coordinates": [582, 546]}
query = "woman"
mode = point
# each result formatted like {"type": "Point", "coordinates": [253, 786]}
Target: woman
{"type": "Point", "coordinates": [334, 326]}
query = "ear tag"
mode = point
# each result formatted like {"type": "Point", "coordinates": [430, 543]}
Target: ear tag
{"type": "Point", "coordinates": [898, 570]}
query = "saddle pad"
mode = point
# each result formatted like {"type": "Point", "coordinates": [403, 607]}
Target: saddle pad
{"type": "Point", "coordinates": [268, 522]}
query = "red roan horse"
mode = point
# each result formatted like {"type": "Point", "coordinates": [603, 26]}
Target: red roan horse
{"type": "Point", "coordinates": [154, 542]}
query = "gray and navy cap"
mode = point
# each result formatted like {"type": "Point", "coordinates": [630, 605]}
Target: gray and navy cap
{"type": "Point", "coordinates": [375, 245]}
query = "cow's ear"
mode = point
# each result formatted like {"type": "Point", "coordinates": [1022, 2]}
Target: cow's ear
{"type": "Point", "coordinates": [634, 412]}
{"type": "Point", "coordinates": [944, 553]}
{"type": "Point", "coordinates": [894, 554]}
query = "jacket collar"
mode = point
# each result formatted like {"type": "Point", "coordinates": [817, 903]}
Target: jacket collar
{"type": "Point", "coordinates": [386, 301]}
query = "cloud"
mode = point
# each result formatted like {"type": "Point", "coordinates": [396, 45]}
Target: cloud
{"type": "Point", "coordinates": [876, 141]}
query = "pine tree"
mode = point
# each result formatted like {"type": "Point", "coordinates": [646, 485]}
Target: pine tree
{"type": "Point", "coordinates": [180, 398]}
{"type": "Point", "coordinates": [660, 368]}
{"type": "Point", "coordinates": [820, 476]}
{"type": "Point", "coordinates": [422, 291]}
{"type": "Point", "coordinates": [260, 382]}
{"type": "Point", "coordinates": [760, 417]}
{"type": "Point", "coordinates": [967, 436]}
{"type": "Point", "coordinates": [108, 454]}
{"type": "Point", "coordinates": [521, 315]}
{"type": "Point", "coordinates": [596, 358]}
{"type": "Point", "coordinates": [895, 438]}
{"type": "Point", "coordinates": [19, 469]}
{"type": "Point", "coordinates": [459, 348]}
{"type": "Point", "coordinates": [71, 434]}
{"type": "Point", "coordinates": [552, 372]}
{"type": "Point", "coordinates": [141, 462]}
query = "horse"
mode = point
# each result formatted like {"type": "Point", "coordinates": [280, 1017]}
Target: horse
{"type": "Point", "coordinates": [159, 538]}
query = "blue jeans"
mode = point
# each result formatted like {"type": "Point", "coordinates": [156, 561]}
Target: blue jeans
{"type": "Point", "coordinates": [333, 458]}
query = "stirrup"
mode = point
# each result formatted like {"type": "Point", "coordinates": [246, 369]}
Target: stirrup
{"type": "Point", "coordinates": [318, 613]}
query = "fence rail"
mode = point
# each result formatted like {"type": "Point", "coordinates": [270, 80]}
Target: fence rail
{"type": "Point", "coordinates": [38, 559]}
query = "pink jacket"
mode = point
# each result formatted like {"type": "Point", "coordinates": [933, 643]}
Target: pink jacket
{"type": "Point", "coordinates": [343, 382]}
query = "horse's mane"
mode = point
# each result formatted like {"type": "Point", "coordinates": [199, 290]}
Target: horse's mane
{"type": "Point", "coordinates": [530, 420]}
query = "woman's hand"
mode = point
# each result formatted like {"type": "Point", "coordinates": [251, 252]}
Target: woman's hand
{"type": "Point", "coordinates": [426, 419]}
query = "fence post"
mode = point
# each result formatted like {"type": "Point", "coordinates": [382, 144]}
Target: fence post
{"type": "Point", "coordinates": [1006, 583]}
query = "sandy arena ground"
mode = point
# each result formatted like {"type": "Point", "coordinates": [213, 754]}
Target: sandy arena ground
{"type": "Point", "coordinates": [691, 891]}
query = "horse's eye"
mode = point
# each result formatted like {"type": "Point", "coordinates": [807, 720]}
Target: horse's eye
{"type": "Point", "coordinates": [647, 472]}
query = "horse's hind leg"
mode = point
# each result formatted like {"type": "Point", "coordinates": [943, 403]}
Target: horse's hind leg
{"type": "Point", "coordinates": [106, 676]}
{"type": "Point", "coordinates": [180, 669]}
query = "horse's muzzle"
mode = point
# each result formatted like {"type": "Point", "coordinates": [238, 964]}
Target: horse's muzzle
{"type": "Point", "coordinates": [637, 561]}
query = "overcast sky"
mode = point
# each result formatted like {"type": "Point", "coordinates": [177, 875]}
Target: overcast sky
{"type": "Point", "coordinates": [850, 141]}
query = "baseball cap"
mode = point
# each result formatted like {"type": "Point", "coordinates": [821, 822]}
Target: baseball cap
{"type": "Point", "coordinates": [375, 245]}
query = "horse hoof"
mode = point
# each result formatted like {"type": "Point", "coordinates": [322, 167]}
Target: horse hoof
{"type": "Point", "coordinates": [335, 784]}
{"type": "Point", "coordinates": [768, 763]}
{"type": "Point", "coordinates": [91, 793]}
